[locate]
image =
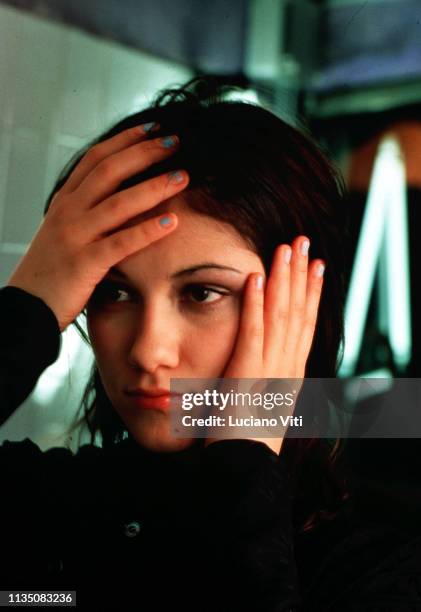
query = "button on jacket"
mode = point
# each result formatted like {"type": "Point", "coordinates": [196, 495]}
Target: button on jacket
{"type": "Point", "coordinates": [199, 529]}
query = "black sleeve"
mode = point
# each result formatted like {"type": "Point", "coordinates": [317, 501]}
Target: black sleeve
{"type": "Point", "coordinates": [241, 522]}
{"type": "Point", "coordinates": [30, 342]}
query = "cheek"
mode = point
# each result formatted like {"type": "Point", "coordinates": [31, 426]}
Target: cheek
{"type": "Point", "coordinates": [210, 345]}
{"type": "Point", "coordinates": [105, 336]}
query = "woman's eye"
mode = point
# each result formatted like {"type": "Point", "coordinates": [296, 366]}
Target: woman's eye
{"type": "Point", "coordinates": [108, 292]}
{"type": "Point", "coordinates": [201, 294]}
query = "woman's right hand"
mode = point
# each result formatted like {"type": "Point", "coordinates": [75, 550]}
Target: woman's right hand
{"type": "Point", "coordinates": [72, 249]}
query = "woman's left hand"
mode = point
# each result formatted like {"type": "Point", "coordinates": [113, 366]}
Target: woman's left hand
{"type": "Point", "coordinates": [277, 322]}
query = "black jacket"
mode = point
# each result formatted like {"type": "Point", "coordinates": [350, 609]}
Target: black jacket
{"type": "Point", "coordinates": [201, 529]}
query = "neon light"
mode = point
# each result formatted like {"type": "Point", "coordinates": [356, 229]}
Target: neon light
{"type": "Point", "coordinates": [384, 228]}
{"type": "Point", "coordinates": [397, 265]}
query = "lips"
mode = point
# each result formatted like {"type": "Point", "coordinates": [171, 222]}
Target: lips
{"type": "Point", "coordinates": [157, 398]}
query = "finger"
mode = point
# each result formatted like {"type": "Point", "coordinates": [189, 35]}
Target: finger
{"type": "Point", "coordinates": [276, 306]}
{"type": "Point", "coordinates": [314, 290]}
{"type": "Point", "coordinates": [298, 285]}
{"type": "Point", "coordinates": [102, 150]}
{"type": "Point", "coordinates": [113, 249]}
{"type": "Point", "coordinates": [123, 206]}
{"type": "Point", "coordinates": [248, 351]}
{"type": "Point", "coordinates": [105, 178]}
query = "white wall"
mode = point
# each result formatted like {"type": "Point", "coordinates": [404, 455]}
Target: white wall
{"type": "Point", "coordinates": [59, 88]}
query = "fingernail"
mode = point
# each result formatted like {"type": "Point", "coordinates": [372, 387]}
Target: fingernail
{"type": "Point", "coordinates": [168, 141]}
{"type": "Point", "coordinates": [165, 221]}
{"type": "Point", "coordinates": [304, 247]}
{"type": "Point", "coordinates": [176, 176]}
{"type": "Point", "coordinates": [259, 282]}
{"type": "Point", "coordinates": [148, 127]}
{"type": "Point", "coordinates": [287, 255]}
{"type": "Point", "coordinates": [320, 270]}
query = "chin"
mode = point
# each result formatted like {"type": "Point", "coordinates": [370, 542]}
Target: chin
{"type": "Point", "coordinates": [151, 429]}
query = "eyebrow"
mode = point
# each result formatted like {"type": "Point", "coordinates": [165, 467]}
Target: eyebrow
{"type": "Point", "coordinates": [185, 271]}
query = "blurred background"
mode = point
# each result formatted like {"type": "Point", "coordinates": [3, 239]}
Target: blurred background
{"type": "Point", "coordinates": [350, 70]}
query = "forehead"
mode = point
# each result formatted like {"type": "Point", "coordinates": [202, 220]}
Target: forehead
{"type": "Point", "coordinates": [193, 226]}
{"type": "Point", "coordinates": [197, 238]}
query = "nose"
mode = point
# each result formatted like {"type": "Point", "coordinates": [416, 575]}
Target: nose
{"type": "Point", "coordinates": [155, 342]}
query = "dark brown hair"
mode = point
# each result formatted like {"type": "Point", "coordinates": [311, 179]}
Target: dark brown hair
{"type": "Point", "coordinates": [270, 180]}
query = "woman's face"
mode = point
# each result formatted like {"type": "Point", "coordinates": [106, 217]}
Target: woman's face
{"type": "Point", "coordinates": [174, 314]}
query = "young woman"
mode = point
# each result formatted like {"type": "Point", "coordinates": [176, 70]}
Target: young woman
{"type": "Point", "coordinates": [183, 234]}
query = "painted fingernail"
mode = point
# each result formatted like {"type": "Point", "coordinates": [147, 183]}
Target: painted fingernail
{"type": "Point", "coordinates": [305, 245]}
{"type": "Point", "coordinates": [287, 255]}
{"type": "Point", "coordinates": [168, 141]}
{"type": "Point", "coordinates": [166, 221]}
{"type": "Point", "coordinates": [176, 176]}
{"type": "Point", "coordinates": [320, 270]}
{"type": "Point", "coordinates": [148, 127]}
{"type": "Point", "coordinates": [259, 282]}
